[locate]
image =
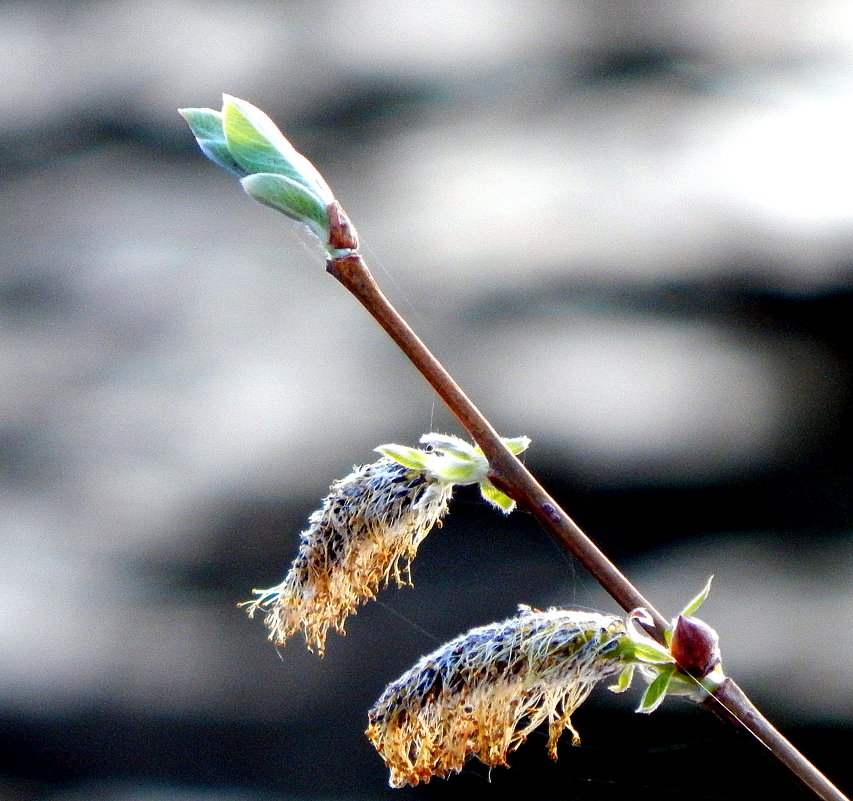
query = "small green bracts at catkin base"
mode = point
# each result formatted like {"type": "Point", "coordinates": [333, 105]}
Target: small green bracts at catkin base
{"type": "Point", "coordinates": [481, 694]}
{"type": "Point", "coordinates": [367, 532]}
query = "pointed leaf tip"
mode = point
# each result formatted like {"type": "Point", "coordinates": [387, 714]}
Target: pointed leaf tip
{"type": "Point", "coordinates": [699, 599]}
{"type": "Point", "coordinates": [406, 456]}
{"type": "Point", "coordinates": [206, 126]}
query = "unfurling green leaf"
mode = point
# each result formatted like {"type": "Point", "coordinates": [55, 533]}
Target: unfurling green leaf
{"type": "Point", "coordinates": [452, 460]}
{"type": "Point", "coordinates": [408, 457]}
{"type": "Point", "coordinates": [696, 602]}
{"type": "Point", "coordinates": [245, 141]}
{"type": "Point", "coordinates": [259, 146]}
{"type": "Point", "coordinates": [293, 199]}
{"type": "Point", "coordinates": [624, 680]}
{"type": "Point", "coordinates": [206, 125]}
{"type": "Point", "coordinates": [495, 497]}
{"type": "Point", "coordinates": [656, 691]}
{"type": "Point", "coordinates": [516, 445]}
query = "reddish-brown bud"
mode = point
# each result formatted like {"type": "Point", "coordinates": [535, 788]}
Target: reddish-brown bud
{"type": "Point", "coordinates": [342, 235]}
{"type": "Point", "coordinates": [695, 646]}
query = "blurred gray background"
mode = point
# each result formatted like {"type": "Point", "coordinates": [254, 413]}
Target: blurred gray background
{"type": "Point", "coordinates": [626, 227]}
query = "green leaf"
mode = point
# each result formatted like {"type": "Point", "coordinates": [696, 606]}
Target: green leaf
{"type": "Point", "coordinates": [258, 146]}
{"type": "Point", "coordinates": [408, 457]}
{"type": "Point", "coordinates": [495, 497]}
{"type": "Point", "coordinates": [447, 443]}
{"type": "Point", "coordinates": [650, 653]}
{"type": "Point", "coordinates": [206, 125]}
{"type": "Point", "coordinates": [624, 680]}
{"type": "Point", "coordinates": [453, 469]}
{"type": "Point", "coordinates": [656, 691]}
{"type": "Point", "coordinates": [293, 199]}
{"type": "Point", "coordinates": [516, 445]}
{"type": "Point", "coordinates": [698, 600]}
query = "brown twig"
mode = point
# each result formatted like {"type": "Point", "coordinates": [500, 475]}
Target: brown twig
{"type": "Point", "coordinates": [506, 471]}
{"type": "Point", "coordinates": [729, 702]}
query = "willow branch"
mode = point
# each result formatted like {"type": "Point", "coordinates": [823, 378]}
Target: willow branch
{"type": "Point", "coordinates": [507, 472]}
{"type": "Point", "coordinates": [244, 140]}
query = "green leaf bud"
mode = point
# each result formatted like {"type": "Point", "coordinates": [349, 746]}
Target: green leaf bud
{"type": "Point", "coordinates": [259, 146]}
{"type": "Point", "coordinates": [245, 141]}
{"type": "Point", "coordinates": [289, 197]}
{"type": "Point", "coordinates": [452, 460]}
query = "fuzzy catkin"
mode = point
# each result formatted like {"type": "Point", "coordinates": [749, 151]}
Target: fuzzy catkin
{"type": "Point", "coordinates": [366, 533]}
{"type": "Point", "coordinates": [482, 693]}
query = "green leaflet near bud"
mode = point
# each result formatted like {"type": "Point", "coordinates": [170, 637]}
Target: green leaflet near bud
{"type": "Point", "coordinates": [648, 652]}
{"type": "Point", "coordinates": [451, 468]}
{"type": "Point", "coordinates": [452, 460]}
{"type": "Point", "coordinates": [495, 497]}
{"type": "Point", "coordinates": [259, 146]}
{"type": "Point", "coordinates": [516, 445]}
{"type": "Point", "coordinates": [696, 602]}
{"type": "Point", "coordinates": [206, 125]}
{"type": "Point", "coordinates": [408, 457]}
{"type": "Point", "coordinates": [293, 199]}
{"type": "Point", "coordinates": [656, 691]}
{"type": "Point", "coordinates": [624, 681]}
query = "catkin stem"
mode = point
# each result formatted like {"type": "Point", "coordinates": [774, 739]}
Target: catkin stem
{"type": "Point", "coordinates": [729, 703]}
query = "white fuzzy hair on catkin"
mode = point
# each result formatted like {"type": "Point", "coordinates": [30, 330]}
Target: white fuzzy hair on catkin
{"type": "Point", "coordinates": [481, 694]}
{"type": "Point", "coordinates": [366, 533]}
